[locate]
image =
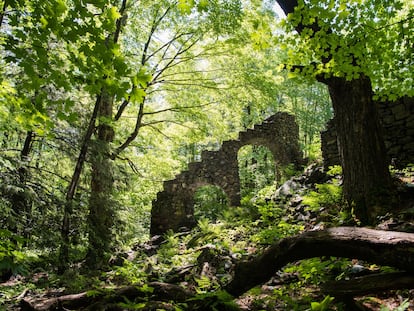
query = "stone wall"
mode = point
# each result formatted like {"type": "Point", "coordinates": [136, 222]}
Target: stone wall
{"type": "Point", "coordinates": [397, 119]}
{"type": "Point", "coordinates": [174, 206]}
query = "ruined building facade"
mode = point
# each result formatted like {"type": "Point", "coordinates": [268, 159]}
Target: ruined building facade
{"type": "Point", "coordinates": [174, 206]}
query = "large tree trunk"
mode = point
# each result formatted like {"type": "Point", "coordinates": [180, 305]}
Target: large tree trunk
{"type": "Point", "coordinates": [382, 247]}
{"type": "Point", "coordinates": [101, 214]}
{"type": "Point", "coordinates": [367, 181]}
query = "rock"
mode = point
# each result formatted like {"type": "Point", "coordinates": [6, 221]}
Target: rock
{"type": "Point", "coordinates": [288, 189]}
{"type": "Point", "coordinates": [315, 174]}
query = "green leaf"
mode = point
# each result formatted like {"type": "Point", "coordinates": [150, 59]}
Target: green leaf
{"type": "Point", "coordinates": [44, 22]}
{"type": "Point", "coordinates": [113, 14]}
{"type": "Point", "coordinates": [60, 7]}
{"type": "Point", "coordinates": [202, 5]}
{"type": "Point", "coordinates": [142, 78]}
{"type": "Point", "coordinates": [185, 6]}
{"type": "Point", "coordinates": [137, 95]}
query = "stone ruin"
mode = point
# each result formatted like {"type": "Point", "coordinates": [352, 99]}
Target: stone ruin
{"type": "Point", "coordinates": [397, 120]}
{"type": "Point", "coordinates": [173, 208]}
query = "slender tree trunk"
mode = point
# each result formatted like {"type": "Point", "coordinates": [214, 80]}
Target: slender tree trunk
{"type": "Point", "coordinates": [101, 211]}
{"type": "Point", "coordinates": [68, 208]}
{"type": "Point", "coordinates": [367, 180]}
{"type": "Point", "coordinates": [20, 204]}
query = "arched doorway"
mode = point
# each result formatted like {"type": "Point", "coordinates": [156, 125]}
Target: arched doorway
{"type": "Point", "coordinates": [210, 202]}
{"type": "Point", "coordinates": [257, 169]}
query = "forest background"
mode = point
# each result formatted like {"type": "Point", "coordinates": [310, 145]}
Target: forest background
{"type": "Point", "coordinates": [101, 101]}
{"type": "Point", "coordinates": [177, 83]}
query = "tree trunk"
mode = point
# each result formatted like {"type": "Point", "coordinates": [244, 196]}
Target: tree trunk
{"type": "Point", "coordinates": [382, 247]}
{"type": "Point", "coordinates": [101, 215]}
{"type": "Point", "coordinates": [367, 183]}
{"type": "Point", "coordinates": [101, 206]}
{"type": "Point", "coordinates": [67, 213]}
{"type": "Point", "coordinates": [20, 204]}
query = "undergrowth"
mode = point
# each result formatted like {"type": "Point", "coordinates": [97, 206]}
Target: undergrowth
{"type": "Point", "coordinates": [202, 260]}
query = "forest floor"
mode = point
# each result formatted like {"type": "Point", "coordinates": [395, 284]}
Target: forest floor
{"type": "Point", "coordinates": [200, 261]}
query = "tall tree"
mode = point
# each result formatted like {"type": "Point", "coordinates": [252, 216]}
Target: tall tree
{"type": "Point", "coordinates": [337, 42]}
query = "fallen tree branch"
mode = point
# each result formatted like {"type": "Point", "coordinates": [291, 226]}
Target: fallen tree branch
{"type": "Point", "coordinates": [389, 248]}
{"type": "Point", "coordinates": [368, 284]}
{"type": "Point", "coordinates": [158, 291]}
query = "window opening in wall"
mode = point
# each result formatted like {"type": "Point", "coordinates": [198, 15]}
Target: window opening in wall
{"type": "Point", "coordinates": [256, 169]}
{"type": "Point", "coordinates": [210, 202]}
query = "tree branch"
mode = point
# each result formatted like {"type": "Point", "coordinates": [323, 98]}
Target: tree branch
{"type": "Point", "coordinates": [383, 247]}
{"type": "Point", "coordinates": [134, 134]}
{"type": "Point", "coordinates": [177, 109]}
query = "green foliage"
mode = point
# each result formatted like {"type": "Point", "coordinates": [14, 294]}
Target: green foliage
{"type": "Point", "coordinates": [131, 272]}
{"type": "Point", "coordinates": [325, 196]}
{"type": "Point", "coordinates": [216, 301]}
{"type": "Point", "coordinates": [209, 202]}
{"type": "Point", "coordinates": [256, 169]}
{"type": "Point", "coordinates": [277, 231]}
{"type": "Point", "coordinates": [323, 305]}
{"type": "Point", "coordinates": [288, 172]}
{"type": "Point", "coordinates": [344, 44]}
{"type": "Point", "coordinates": [12, 258]}
{"type": "Point", "coordinates": [170, 248]}
{"type": "Point", "coordinates": [335, 170]}
{"type": "Point", "coordinates": [402, 307]}
{"type": "Point", "coordinates": [316, 270]}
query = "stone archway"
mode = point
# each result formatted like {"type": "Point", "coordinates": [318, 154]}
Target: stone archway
{"type": "Point", "coordinates": [174, 206]}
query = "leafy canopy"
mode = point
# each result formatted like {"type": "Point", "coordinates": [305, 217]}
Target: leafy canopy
{"type": "Point", "coordinates": [352, 38]}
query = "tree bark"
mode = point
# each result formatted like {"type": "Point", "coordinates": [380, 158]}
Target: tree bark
{"type": "Point", "coordinates": [20, 204]}
{"type": "Point", "coordinates": [67, 213]}
{"type": "Point", "coordinates": [367, 183]}
{"type": "Point", "coordinates": [101, 213]}
{"type": "Point", "coordinates": [346, 289]}
{"type": "Point", "coordinates": [382, 247]}
{"type": "Point", "coordinates": [101, 209]}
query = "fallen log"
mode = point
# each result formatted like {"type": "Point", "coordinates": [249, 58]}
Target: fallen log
{"type": "Point", "coordinates": [368, 284]}
{"type": "Point", "coordinates": [156, 290]}
{"type": "Point", "coordinates": [389, 248]}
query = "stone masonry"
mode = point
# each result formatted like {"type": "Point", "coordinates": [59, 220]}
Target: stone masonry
{"type": "Point", "coordinates": [397, 119]}
{"type": "Point", "coordinates": [174, 206]}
